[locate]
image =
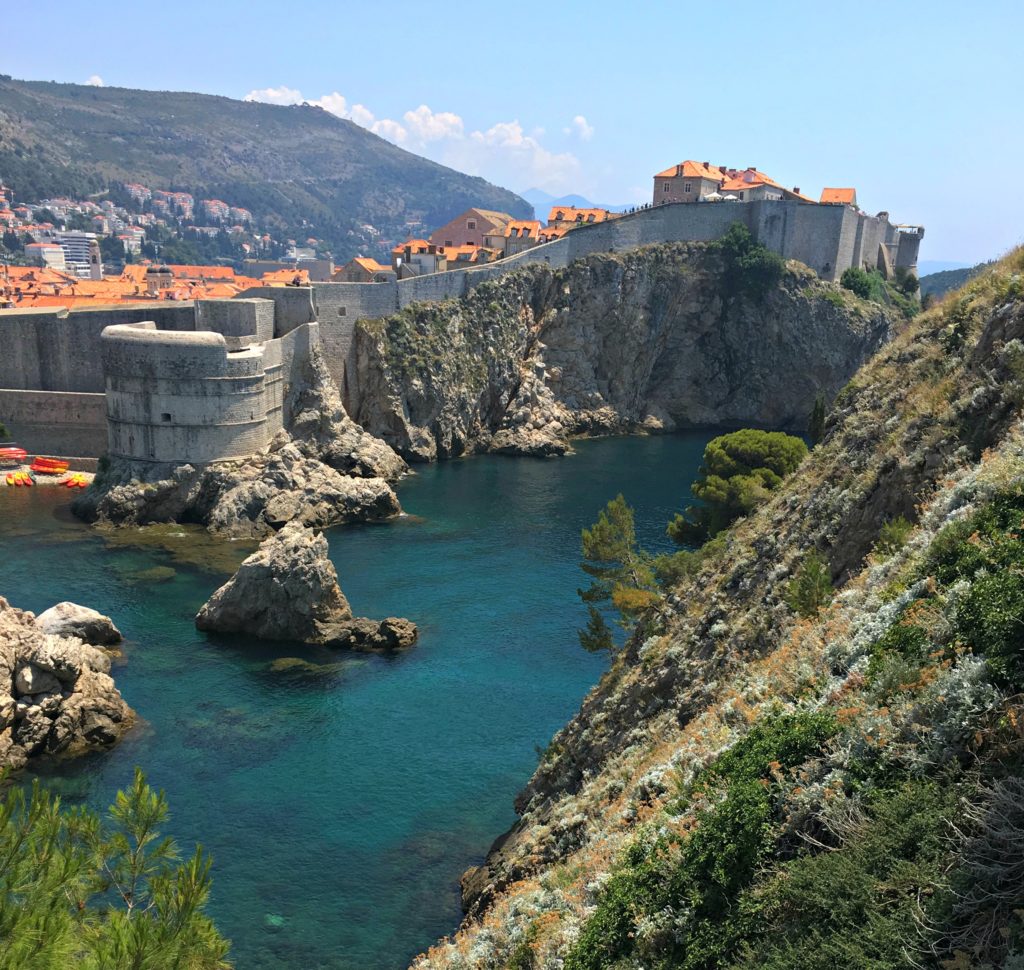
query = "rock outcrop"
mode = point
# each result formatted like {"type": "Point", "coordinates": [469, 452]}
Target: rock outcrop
{"type": "Point", "coordinates": [649, 340]}
{"type": "Point", "coordinates": [324, 470]}
{"type": "Point", "coordinates": [71, 620]}
{"type": "Point", "coordinates": [56, 693]}
{"type": "Point", "coordinates": [288, 590]}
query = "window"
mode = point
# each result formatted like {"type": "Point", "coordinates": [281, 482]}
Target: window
{"type": "Point", "coordinates": [165, 417]}
{"type": "Point", "coordinates": [448, 242]}
{"type": "Point", "coordinates": [471, 224]}
{"type": "Point", "coordinates": [665, 187]}
{"type": "Point", "coordinates": [342, 311]}
{"type": "Point", "coordinates": [687, 187]}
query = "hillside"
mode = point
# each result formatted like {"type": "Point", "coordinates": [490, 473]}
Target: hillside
{"type": "Point", "coordinates": [299, 169]}
{"type": "Point", "coordinates": [766, 780]}
{"type": "Point", "coordinates": [942, 282]}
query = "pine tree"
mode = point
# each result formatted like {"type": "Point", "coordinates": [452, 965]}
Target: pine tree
{"type": "Point", "coordinates": [78, 891]}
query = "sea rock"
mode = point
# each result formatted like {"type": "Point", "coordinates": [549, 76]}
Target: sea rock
{"type": "Point", "coordinates": [56, 692]}
{"type": "Point", "coordinates": [288, 590]}
{"type": "Point", "coordinates": [71, 620]}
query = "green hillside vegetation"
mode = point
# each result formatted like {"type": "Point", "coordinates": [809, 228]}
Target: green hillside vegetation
{"type": "Point", "coordinates": [810, 751]}
{"type": "Point", "coordinates": [299, 169]}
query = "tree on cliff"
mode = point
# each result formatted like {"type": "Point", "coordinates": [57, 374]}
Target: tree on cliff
{"type": "Point", "coordinates": [621, 573]}
{"type": "Point", "coordinates": [77, 890]}
{"type": "Point", "coordinates": [738, 472]}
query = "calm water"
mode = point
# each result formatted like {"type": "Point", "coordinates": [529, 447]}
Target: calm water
{"type": "Point", "coordinates": [341, 804]}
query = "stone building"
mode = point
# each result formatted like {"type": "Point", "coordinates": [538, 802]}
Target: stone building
{"type": "Point", "coordinates": [469, 228]}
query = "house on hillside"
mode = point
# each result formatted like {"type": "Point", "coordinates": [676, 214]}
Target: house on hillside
{"type": "Point", "coordinates": [459, 256]}
{"type": "Point", "coordinates": [362, 269]}
{"type": "Point", "coordinates": [469, 228]}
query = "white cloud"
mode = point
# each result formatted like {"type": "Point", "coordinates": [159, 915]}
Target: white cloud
{"type": "Point", "coordinates": [580, 127]}
{"type": "Point", "coordinates": [425, 125]}
{"type": "Point", "coordinates": [281, 95]}
{"type": "Point", "coordinates": [503, 153]}
{"type": "Point", "coordinates": [94, 80]}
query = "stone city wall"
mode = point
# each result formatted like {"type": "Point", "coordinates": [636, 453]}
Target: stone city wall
{"type": "Point", "coordinates": [57, 423]}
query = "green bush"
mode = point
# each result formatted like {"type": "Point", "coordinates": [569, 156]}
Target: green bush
{"type": "Point", "coordinates": [991, 620]}
{"type": "Point", "coordinates": [893, 535]}
{"type": "Point", "coordinates": [858, 905]}
{"type": "Point", "coordinates": [695, 883]}
{"type": "Point", "coordinates": [751, 270]}
{"type": "Point", "coordinates": [904, 642]}
{"type": "Point", "coordinates": [738, 472]}
{"type": "Point", "coordinates": [811, 588]}
{"type": "Point", "coordinates": [857, 282]}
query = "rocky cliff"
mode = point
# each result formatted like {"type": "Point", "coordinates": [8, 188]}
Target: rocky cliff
{"type": "Point", "coordinates": [658, 338]}
{"type": "Point", "coordinates": [753, 783]}
{"type": "Point", "coordinates": [56, 693]}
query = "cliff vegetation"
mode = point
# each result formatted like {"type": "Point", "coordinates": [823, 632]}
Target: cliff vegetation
{"type": "Point", "coordinates": [811, 752]}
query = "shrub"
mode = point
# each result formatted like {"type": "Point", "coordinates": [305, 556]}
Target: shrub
{"type": "Point", "coordinates": [855, 906]}
{"type": "Point", "coordinates": [857, 282]}
{"type": "Point", "coordinates": [738, 472]}
{"type": "Point", "coordinates": [991, 620]}
{"type": "Point", "coordinates": [751, 269]}
{"type": "Point", "coordinates": [903, 640]}
{"type": "Point", "coordinates": [811, 588]}
{"type": "Point", "coordinates": [893, 536]}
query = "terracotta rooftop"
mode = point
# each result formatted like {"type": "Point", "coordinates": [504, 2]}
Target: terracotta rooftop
{"type": "Point", "coordinates": [838, 196]}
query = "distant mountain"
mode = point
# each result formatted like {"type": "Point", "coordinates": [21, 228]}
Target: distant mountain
{"type": "Point", "coordinates": [926, 267]}
{"type": "Point", "coordinates": [938, 284]}
{"type": "Point", "coordinates": [299, 169]}
{"type": "Point", "coordinates": [543, 201]}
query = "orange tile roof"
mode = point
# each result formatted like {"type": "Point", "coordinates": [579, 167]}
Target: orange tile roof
{"type": "Point", "coordinates": [531, 226]}
{"type": "Point", "coordinates": [692, 170]}
{"type": "Point", "coordinates": [371, 265]}
{"type": "Point", "coordinates": [417, 246]}
{"type": "Point", "coordinates": [569, 213]}
{"type": "Point", "coordinates": [839, 196]}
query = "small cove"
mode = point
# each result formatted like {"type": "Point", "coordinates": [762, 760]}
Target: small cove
{"type": "Point", "coordinates": [342, 799]}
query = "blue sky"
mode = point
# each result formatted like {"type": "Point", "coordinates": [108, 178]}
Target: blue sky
{"type": "Point", "coordinates": [917, 105]}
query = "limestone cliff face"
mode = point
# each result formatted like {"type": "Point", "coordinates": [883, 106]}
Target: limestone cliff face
{"type": "Point", "coordinates": [651, 339]}
{"type": "Point", "coordinates": [929, 429]}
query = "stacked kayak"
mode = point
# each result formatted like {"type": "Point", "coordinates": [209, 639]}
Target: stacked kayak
{"type": "Point", "coordinates": [19, 479]}
{"type": "Point", "coordinates": [12, 455]}
{"type": "Point", "coordinates": [78, 480]}
{"type": "Point", "coordinates": [49, 466]}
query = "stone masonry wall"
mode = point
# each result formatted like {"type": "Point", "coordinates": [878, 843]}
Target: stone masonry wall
{"type": "Point", "coordinates": [56, 422]}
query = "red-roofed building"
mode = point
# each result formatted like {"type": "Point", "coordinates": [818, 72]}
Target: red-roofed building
{"type": "Point", "coordinates": [469, 228]}
{"type": "Point", "coordinates": [362, 269]}
{"type": "Point", "coordinates": [839, 197]}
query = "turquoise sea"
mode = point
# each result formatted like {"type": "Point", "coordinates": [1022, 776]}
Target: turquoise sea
{"type": "Point", "coordinates": [342, 802]}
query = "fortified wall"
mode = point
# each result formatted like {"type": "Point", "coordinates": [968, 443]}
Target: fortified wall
{"type": "Point", "coordinates": [829, 239]}
{"type": "Point", "coordinates": [198, 381]}
{"type": "Point", "coordinates": [179, 382]}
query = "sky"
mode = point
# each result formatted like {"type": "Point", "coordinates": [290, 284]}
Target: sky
{"type": "Point", "coordinates": [917, 105]}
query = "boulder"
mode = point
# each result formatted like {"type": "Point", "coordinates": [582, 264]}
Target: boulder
{"type": "Point", "coordinates": [56, 692]}
{"type": "Point", "coordinates": [288, 590]}
{"type": "Point", "coordinates": [71, 620]}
